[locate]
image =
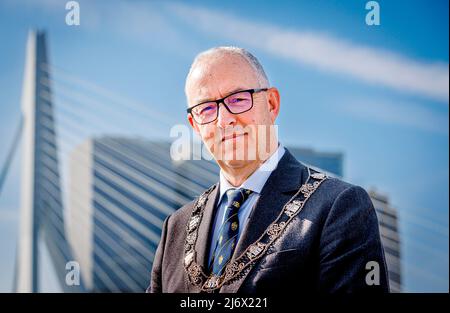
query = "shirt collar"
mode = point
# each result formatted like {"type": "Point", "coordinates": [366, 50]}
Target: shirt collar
{"type": "Point", "coordinates": [257, 180]}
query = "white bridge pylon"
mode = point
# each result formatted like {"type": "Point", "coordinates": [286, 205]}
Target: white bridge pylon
{"type": "Point", "coordinates": [41, 207]}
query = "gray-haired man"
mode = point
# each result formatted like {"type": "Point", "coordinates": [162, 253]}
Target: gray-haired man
{"type": "Point", "coordinates": [270, 224]}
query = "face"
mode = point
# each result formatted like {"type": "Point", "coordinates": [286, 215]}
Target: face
{"type": "Point", "coordinates": [233, 139]}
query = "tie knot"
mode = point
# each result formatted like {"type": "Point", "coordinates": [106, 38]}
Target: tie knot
{"type": "Point", "coordinates": [236, 197]}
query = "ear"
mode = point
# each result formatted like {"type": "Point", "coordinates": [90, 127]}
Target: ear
{"type": "Point", "coordinates": [273, 101]}
{"type": "Point", "coordinates": [193, 123]}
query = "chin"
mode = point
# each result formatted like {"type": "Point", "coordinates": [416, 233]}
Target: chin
{"type": "Point", "coordinates": [235, 163]}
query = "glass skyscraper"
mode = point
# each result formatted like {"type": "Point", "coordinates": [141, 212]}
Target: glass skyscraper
{"type": "Point", "coordinates": [121, 190]}
{"type": "Point", "coordinates": [388, 223]}
{"type": "Point", "coordinates": [330, 162]}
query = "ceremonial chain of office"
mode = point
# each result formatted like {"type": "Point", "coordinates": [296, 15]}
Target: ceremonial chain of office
{"type": "Point", "coordinates": [256, 250]}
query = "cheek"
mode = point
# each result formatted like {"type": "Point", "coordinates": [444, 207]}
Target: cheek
{"type": "Point", "coordinates": [247, 119]}
{"type": "Point", "coordinates": [207, 132]}
{"type": "Point", "coordinates": [258, 117]}
{"type": "Point", "coordinates": [258, 121]}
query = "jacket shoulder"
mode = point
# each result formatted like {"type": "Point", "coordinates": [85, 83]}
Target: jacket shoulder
{"type": "Point", "coordinates": [334, 192]}
{"type": "Point", "coordinates": [340, 187]}
{"type": "Point", "coordinates": [336, 185]}
{"type": "Point", "coordinates": [341, 198]}
{"type": "Point", "coordinates": [180, 217]}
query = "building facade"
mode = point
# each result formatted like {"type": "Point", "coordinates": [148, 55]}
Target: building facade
{"type": "Point", "coordinates": [388, 223]}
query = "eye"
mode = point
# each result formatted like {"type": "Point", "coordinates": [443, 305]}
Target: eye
{"type": "Point", "coordinates": [236, 100]}
{"type": "Point", "coordinates": [207, 109]}
{"type": "Point", "coordinates": [240, 98]}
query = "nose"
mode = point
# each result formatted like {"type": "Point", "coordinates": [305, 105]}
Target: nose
{"type": "Point", "coordinates": [225, 118]}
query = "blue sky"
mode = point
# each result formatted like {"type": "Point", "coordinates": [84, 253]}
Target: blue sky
{"type": "Point", "coordinates": [379, 94]}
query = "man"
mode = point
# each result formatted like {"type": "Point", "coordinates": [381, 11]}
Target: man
{"type": "Point", "coordinates": [271, 224]}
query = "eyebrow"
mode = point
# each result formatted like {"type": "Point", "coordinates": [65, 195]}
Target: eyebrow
{"type": "Point", "coordinates": [212, 100]}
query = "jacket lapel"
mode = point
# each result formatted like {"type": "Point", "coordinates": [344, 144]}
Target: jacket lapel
{"type": "Point", "coordinates": [205, 228]}
{"type": "Point", "coordinates": [279, 188]}
{"type": "Point", "coordinates": [201, 245]}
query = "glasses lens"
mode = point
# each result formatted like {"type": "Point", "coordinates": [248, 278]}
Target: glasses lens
{"type": "Point", "coordinates": [239, 102]}
{"type": "Point", "coordinates": [205, 113]}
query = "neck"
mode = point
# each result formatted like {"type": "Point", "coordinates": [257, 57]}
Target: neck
{"type": "Point", "coordinates": [237, 174]}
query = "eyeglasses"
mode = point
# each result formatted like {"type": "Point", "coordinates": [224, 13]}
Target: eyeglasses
{"type": "Point", "coordinates": [235, 103]}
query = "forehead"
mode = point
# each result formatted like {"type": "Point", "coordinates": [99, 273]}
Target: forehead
{"type": "Point", "coordinates": [215, 77]}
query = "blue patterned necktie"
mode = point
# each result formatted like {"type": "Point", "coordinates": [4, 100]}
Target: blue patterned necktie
{"type": "Point", "coordinates": [229, 230]}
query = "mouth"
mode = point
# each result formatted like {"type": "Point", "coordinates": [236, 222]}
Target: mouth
{"type": "Point", "coordinates": [233, 136]}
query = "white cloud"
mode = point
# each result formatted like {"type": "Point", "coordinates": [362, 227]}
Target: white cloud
{"type": "Point", "coordinates": [141, 21]}
{"type": "Point", "coordinates": [372, 65]}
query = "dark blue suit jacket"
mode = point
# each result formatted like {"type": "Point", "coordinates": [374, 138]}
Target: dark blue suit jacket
{"type": "Point", "coordinates": [326, 247]}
